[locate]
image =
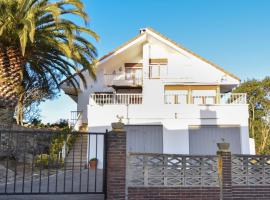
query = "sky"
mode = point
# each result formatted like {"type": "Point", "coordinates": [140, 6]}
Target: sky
{"type": "Point", "coordinates": [234, 34]}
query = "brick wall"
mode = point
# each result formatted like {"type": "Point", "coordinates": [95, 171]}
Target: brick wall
{"type": "Point", "coordinates": [116, 165]}
{"type": "Point", "coordinates": [172, 193]}
{"type": "Point", "coordinates": [251, 192]}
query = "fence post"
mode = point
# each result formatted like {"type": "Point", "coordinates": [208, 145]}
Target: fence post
{"type": "Point", "coordinates": [225, 171]}
{"type": "Point", "coordinates": [116, 162]}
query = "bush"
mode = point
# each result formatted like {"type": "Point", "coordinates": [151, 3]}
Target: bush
{"type": "Point", "coordinates": [57, 141]}
{"type": "Point", "coordinates": [48, 161]}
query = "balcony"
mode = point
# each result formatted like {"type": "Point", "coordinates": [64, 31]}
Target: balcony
{"type": "Point", "coordinates": [125, 99]}
{"type": "Point", "coordinates": [123, 79]}
{"type": "Point", "coordinates": [228, 98]}
{"type": "Point", "coordinates": [117, 99]}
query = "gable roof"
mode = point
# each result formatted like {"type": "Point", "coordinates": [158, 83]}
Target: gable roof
{"type": "Point", "coordinates": [150, 30]}
{"type": "Point", "coordinates": [120, 47]}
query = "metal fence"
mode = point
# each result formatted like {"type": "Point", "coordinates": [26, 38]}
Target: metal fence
{"type": "Point", "coordinates": [146, 169]}
{"type": "Point", "coordinates": [51, 162]}
{"type": "Point", "coordinates": [250, 170]}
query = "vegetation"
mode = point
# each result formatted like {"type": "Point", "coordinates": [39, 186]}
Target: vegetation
{"type": "Point", "coordinates": [48, 161]}
{"type": "Point", "coordinates": [93, 159]}
{"type": "Point", "coordinates": [59, 139]}
{"type": "Point", "coordinates": [40, 44]}
{"type": "Point", "coordinates": [34, 92]}
{"type": "Point", "coordinates": [258, 96]}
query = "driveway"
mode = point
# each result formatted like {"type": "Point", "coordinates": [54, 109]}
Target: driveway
{"type": "Point", "coordinates": [53, 197]}
{"type": "Point", "coordinates": [69, 182]}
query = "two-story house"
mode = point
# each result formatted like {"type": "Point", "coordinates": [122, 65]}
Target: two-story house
{"type": "Point", "coordinates": [171, 99]}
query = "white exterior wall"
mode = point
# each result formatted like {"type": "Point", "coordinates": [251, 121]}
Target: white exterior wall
{"type": "Point", "coordinates": [174, 118]}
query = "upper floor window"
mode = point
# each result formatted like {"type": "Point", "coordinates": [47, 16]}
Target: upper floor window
{"type": "Point", "coordinates": [158, 68]}
{"type": "Point", "coordinates": [133, 71]}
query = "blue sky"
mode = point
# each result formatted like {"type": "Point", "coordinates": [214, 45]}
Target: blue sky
{"type": "Point", "coordinates": [232, 33]}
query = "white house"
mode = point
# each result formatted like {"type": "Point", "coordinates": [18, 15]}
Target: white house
{"type": "Point", "coordinates": [171, 99]}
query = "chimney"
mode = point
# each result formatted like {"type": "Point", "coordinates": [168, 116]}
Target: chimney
{"type": "Point", "coordinates": [142, 30]}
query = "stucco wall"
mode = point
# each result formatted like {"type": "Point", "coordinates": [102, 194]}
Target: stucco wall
{"type": "Point", "coordinates": [175, 120]}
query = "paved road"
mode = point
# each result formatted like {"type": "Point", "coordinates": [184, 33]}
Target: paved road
{"type": "Point", "coordinates": [63, 182]}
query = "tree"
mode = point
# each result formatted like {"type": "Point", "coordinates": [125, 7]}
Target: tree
{"type": "Point", "coordinates": [37, 38]}
{"type": "Point", "coordinates": [33, 93]}
{"type": "Point", "coordinates": [258, 97]}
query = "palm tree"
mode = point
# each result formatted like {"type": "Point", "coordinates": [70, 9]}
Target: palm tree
{"type": "Point", "coordinates": [39, 37]}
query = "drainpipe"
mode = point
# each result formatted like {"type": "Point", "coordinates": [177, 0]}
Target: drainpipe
{"type": "Point", "coordinates": [127, 113]}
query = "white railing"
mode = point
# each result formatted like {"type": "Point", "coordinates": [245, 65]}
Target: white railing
{"type": "Point", "coordinates": [75, 119]}
{"type": "Point", "coordinates": [122, 79]}
{"type": "Point", "coordinates": [228, 98]}
{"type": "Point", "coordinates": [233, 98]}
{"type": "Point", "coordinates": [102, 99]}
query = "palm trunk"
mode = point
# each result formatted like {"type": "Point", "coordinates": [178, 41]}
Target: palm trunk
{"type": "Point", "coordinates": [19, 110]}
{"type": "Point", "coordinates": [11, 65]}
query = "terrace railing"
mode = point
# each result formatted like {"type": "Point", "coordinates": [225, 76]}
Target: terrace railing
{"type": "Point", "coordinates": [117, 98]}
{"type": "Point", "coordinates": [228, 98]}
{"type": "Point", "coordinates": [75, 119]}
{"type": "Point", "coordinates": [122, 79]}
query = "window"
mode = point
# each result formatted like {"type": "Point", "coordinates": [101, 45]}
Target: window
{"type": "Point", "coordinates": [158, 68]}
{"type": "Point", "coordinates": [203, 96]}
{"type": "Point", "coordinates": [133, 71]}
{"type": "Point", "coordinates": [176, 96]}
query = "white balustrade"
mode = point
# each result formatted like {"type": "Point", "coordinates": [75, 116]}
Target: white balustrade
{"type": "Point", "coordinates": [228, 98]}
{"type": "Point", "coordinates": [122, 79]}
{"type": "Point", "coordinates": [116, 98]}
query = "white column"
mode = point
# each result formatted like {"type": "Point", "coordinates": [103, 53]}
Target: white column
{"type": "Point", "coordinates": [175, 137]}
{"type": "Point", "coordinates": [245, 143]}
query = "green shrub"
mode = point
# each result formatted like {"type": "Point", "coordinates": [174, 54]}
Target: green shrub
{"type": "Point", "coordinates": [57, 141]}
{"type": "Point", "coordinates": [48, 161]}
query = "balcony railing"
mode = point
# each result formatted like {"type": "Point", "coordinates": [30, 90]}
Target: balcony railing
{"type": "Point", "coordinates": [110, 99]}
{"type": "Point", "coordinates": [122, 80]}
{"type": "Point", "coordinates": [75, 119]}
{"type": "Point", "coordinates": [125, 99]}
{"type": "Point", "coordinates": [228, 98]}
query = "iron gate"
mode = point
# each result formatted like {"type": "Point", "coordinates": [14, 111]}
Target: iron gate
{"type": "Point", "coordinates": [52, 162]}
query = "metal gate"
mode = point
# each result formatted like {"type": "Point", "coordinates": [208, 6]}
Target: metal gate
{"type": "Point", "coordinates": [52, 162]}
